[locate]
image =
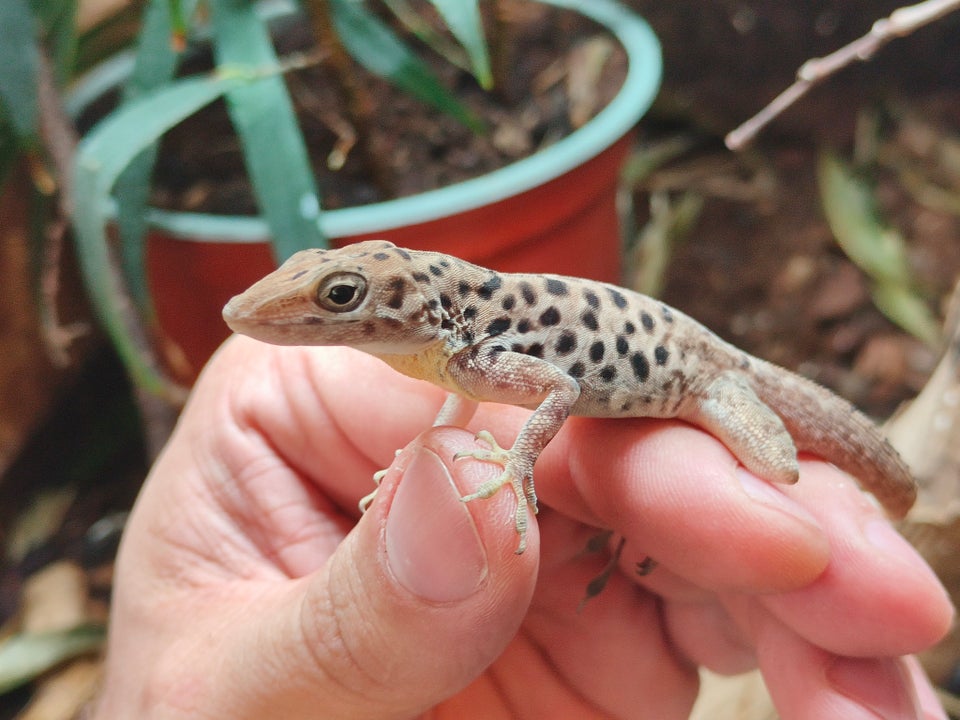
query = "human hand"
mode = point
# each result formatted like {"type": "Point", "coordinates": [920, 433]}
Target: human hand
{"type": "Point", "coordinates": [248, 587]}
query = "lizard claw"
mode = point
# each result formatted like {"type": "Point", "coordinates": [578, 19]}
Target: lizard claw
{"type": "Point", "coordinates": [367, 500]}
{"type": "Point", "coordinates": [495, 454]}
{"type": "Point", "coordinates": [513, 474]}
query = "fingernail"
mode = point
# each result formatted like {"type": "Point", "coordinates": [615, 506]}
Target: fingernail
{"type": "Point", "coordinates": [763, 492]}
{"type": "Point", "coordinates": [881, 686]}
{"type": "Point", "coordinates": [433, 547]}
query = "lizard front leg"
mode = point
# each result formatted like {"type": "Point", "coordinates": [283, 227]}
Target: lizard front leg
{"type": "Point", "coordinates": [493, 374]}
{"type": "Point", "coordinates": [456, 410]}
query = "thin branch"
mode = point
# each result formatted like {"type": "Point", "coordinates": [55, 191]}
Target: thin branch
{"type": "Point", "coordinates": [57, 336]}
{"type": "Point", "coordinates": [357, 100]}
{"type": "Point", "coordinates": [901, 22]}
{"type": "Point", "coordinates": [60, 140]}
{"type": "Point", "coordinates": [59, 137]}
{"type": "Point", "coordinates": [501, 50]}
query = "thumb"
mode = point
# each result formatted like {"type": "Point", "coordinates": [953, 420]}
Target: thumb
{"type": "Point", "coordinates": [423, 595]}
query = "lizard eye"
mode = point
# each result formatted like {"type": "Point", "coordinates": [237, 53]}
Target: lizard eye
{"type": "Point", "coordinates": [341, 292]}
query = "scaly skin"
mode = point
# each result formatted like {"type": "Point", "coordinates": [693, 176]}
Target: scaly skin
{"type": "Point", "coordinates": [560, 346]}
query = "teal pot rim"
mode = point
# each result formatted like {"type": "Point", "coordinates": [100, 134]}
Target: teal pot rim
{"type": "Point", "coordinates": [609, 125]}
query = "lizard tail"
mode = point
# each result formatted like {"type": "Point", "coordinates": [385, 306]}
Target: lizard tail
{"type": "Point", "coordinates": [851, 441]}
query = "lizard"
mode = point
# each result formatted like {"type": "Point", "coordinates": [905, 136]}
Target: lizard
{"type": "Point", "coordinates": [559, 346]}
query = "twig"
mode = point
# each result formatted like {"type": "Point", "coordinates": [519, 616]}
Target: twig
{"type": "Point", "coordinates": [57, 336]}
{"type": "Point", "coordinates": [901, 22]}
{"type": "Point", "coordinates": [501, 50]}
{"type": "Point", "coordinates": [60, 140]}
{"type": "Point", "coordinates": [345, 132]}
{"type": "Point", "coordinates": [357, 100]}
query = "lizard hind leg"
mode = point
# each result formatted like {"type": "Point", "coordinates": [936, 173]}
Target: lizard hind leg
{"type": "Point", "coordinates": [731, 411]}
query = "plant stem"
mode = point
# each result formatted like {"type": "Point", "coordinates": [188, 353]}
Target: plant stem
{"type": "Point", "coordinates": [157, 411]}
{"type": "Point", "coordinates": [357, 101]}
{"type": "Point", "coordinates": [501, 55]}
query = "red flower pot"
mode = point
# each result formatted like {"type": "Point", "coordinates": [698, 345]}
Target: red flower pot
{"type": "Point", "coordinates": [554, 211]}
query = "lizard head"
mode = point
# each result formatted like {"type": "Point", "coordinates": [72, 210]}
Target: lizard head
{"type": "Point", "coordinates": [363, 295]}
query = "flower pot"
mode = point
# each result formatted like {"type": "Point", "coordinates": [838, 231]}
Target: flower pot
{"type": "Point", "coordinates": [554, 211]}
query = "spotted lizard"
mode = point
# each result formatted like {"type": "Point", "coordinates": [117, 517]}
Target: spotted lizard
{"type": "Point", "coordinates": [559, 346]}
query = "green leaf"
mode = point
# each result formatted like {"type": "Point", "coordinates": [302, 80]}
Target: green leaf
{"type": "Point", "coordinates": [23, 657]}
{"type": "Point", "coordinates": [9, 147]}
{"type": "Point", "coordinates": [110, 37]}
{"type": "Point", "coordinates": [132, 194]}
{"type": "Point", "coordinates": [60, 30]}
{"type": "Point", "coordinates": [880, 251]}
{"type": "Point", "coordinates": [671, 222]}
{"type": "Point", "coordinates": [851, 211]}
{"type": "Point", "coordinates": [48, 12]}
{"type": "Point", "coordinates": [154, 66]}
{"type": "Point", "coordinates": [101, 157]}
{"type": "Point", "coordinates": [39, 521]}
{"type": "Point", "coordinates": [463, 19]}
{"type": "Point", "coordinates": [379, 50]}
{"type": "Point", "coordinates": [648, 157]}
{"type": "Point", "coordinates": [420, 28]}
{"type": "Point", "coordinates": [19, 57]}
{"type": "Point", "coordinates": [273, 146]}
{"type": "Point", "coordinates": [903, 307]}
{"type": "Point", "coordinates": [156, 61]}
{"type": "Point", "coordinates": [180, 10]}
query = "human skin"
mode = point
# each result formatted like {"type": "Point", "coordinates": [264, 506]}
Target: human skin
{"type": "Point", "coordinates": [249, 586]}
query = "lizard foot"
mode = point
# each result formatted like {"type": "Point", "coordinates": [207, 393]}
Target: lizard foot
{"type": "Point", "coordinates": [596, 586]}
{"type": "Point", "coordinates": [514, 474]}
{"type": "Point", "coordinates": [367, 500]}
{"type": "Point", "coordinates": [597, 544]}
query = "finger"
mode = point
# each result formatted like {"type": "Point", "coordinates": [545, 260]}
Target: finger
{"type": "Point", "coordinates": [679, 496]}
{"type": "Point", "coordinates": [334, 414]}
{"type": "Point", "coordinates": [926, 694]}
{"type": "Point", "coordinates": [611, 650]}
{"type": "Point", "coordinates": [706, 635]}
{"type": "Point", "coordinates": [434, 590]}
{"type": "Point", "coordinates": [809, 682]}
{"type": "Point", "coordinates": [415, 603]}
{"type": "Point", "coordinates": [877, 596]}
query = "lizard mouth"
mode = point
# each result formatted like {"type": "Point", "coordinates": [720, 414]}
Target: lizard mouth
{"type": "Point", "coordinates": [276, 327]}
{"type": "Point", "coordinates": [238, 313]}
{"type": "Point", "coordinates": [231, 311]}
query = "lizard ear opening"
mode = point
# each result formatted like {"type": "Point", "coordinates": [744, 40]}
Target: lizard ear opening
{"type": "Point", "coordinates": [341, 292]}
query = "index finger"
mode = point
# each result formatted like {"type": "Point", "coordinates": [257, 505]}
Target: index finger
{"type": "Point", "coordinates": [679, 496]}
